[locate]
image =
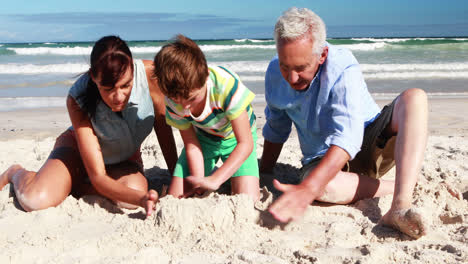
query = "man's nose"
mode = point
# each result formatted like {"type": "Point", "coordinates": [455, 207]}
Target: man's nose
{"type": "Point", "coordinates": [293, 76]}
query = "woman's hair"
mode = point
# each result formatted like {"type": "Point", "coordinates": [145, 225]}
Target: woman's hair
{"type": "Point", "coordinates": [110, 59]}
{"type": "Point", "coordinates": [297, 22]}
{"type": "Point", "coordinates": [180, 68]}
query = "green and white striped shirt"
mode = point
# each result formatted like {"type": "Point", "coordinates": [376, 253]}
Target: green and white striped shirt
{"type": "Point", "coordinates": [227, 97]}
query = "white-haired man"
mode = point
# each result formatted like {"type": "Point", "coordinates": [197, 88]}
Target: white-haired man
{"type": "Point", "coordinates": [347, 142]}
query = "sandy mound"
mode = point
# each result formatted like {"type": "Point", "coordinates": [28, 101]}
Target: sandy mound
{"type": "Point", "coordinates": [232, 229]}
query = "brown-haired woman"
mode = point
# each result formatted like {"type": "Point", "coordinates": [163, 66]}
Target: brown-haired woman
{"type": "Point", "coordinates": [113, 107]}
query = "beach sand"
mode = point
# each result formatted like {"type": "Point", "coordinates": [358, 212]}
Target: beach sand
{"type": "Point", "coordinates": [231, 229]}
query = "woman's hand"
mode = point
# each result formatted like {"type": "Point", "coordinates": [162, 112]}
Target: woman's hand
{"type": "Point", "coordinates": [149, 202]}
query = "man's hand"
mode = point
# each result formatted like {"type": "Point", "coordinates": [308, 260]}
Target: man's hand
{"type": "Point", "coordinates": [202, 184]}
{"type": "Point", "coordinates": [149, 202]}
{"type": "Point", "coordinates": [292, 204]}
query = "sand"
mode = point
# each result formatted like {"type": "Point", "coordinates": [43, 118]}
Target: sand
{"type": "Point", "coordinates": [232, 229]}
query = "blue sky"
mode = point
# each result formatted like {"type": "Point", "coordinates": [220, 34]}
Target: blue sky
{"type": "Point", "coordinates": [84, 20]}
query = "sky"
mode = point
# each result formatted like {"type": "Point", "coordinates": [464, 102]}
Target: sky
{"type": "Point", "coordinates": [88, 20]}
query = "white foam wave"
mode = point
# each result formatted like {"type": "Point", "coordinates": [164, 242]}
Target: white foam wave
{"type": "Point", "coordinates": [260, 98]}
{"type": "Point", "coordinates": [394, 40]}
{"type": "Point", "coordinates": [243, 66]}
{"type": "Point", "coordinates": [66, 51]}
{"type": "Point", "coordinates": [364, 46]}
{"type": "Point", "coordinates": [255, 70]}
{"type": "Point", "coordinates": [385, 76]}
{"type": "Point", "coordinates": [231, 47]}
{"type": "Point", "coordinates": [253, 40]}
{"type": "Point", "coordinates": [15, 68]}
{"type": "Point", "coordinates": [430, 95]}
{"type": "Point", "coordinates": [39, 69]}
{"type": "Point", "coordinates": [75, 51]}
{"type": "Point", "coordinates": [382, 39]}
{"type": "Point", "coordinates": [16, 103]}
{"type": "Point", "coordinates": [250, 78]}
{"type": "Point", "coordinates": [416, 75]}
{"type": "Point", "coordinates": [414, 67]}
{"type": "Point", "coordinates": [151, 50]}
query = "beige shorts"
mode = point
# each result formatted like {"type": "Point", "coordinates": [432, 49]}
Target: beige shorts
{"type": "Point", "coordinates": [377, 151]}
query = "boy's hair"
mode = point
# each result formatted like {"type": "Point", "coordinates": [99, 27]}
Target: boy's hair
{"type": "Point", "coordinates": [180, 68]}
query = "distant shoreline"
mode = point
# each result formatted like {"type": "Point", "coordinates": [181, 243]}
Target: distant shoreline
{"type": "Point", "coordinates": [246, 38]}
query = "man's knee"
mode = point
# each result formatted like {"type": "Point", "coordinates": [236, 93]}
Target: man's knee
{"type": "Point", "coordinates": [332, 193]}
{"type": "Point", "coordinates": [414, 95]}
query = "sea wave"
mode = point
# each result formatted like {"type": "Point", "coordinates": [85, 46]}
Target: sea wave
{"type": "Point", "coordinates": [16, 68]}
{"type": "Point", "coordinates": [364, 46]}
{"type": "Point", "coordinates": [251, 69]}
{"type": "Point", "coordinates": [26, 84]}
{"type": "Point", "coordinates": [17, 103]}
{"type": "Point", "coordinates": [65, 51]}
{"type": "Point", "coordinates": [243, 66]}
{"type": "Point", "coordinates": [74, 51]}
{"type": "Point", "coordinates": [414, 67]}
{"type": "Point", "coordinates": [416, 75]}
{"type": "Point", "coordinates": [254, 40]}
{"type": "Point", "coordinates": [394, 40]}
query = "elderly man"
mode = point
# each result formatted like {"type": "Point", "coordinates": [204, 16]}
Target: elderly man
{"type": "Point", "coordinates": [347, 142]}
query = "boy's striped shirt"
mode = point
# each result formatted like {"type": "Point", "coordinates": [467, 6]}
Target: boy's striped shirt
{"type": "Point", "coordinates": [227, 97]}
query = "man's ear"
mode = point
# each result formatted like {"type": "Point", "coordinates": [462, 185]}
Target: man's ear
{"type": "Point", "coordinates": [324, 55]}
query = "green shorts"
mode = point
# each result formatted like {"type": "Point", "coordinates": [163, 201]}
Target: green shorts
{"type": "Point", "coordinates": [213, 151]}
{"type": "Point", "coordinates": [377, 151]}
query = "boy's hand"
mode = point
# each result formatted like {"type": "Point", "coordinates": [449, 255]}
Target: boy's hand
{"type": "Point", "coordinates": [202, 184]}
{"type": "Point", "coordinates": [149, 202]}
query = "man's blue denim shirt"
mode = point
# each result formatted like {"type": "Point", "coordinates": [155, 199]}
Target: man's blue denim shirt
{"type": "Point", "coordinates": [334, 110]}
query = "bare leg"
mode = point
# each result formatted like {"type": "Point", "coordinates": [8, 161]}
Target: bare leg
{"type": "Point", "coordinates": [6, 175]}
{"type": "Point", "coordinates": [128, 174]}
{"type": "Point", "coordinates": [409, 123]}
{"type": "Point", "coordinates": [35, 191]}
{"type": "Point", "coordinates": [53, 182]}
{"type": "Point", "coordinates": [176, 188]}
{"type": "Point", "coordinates": [249, 185]}
{"type": "Point", "coordinates": [348, 187]}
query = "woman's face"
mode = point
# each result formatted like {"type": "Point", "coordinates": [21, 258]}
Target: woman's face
{"type": "Point", "coordinates": [117, 97]}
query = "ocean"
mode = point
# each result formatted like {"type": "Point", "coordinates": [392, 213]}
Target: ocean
{"type": "Point", "coordinates": [36, 75]}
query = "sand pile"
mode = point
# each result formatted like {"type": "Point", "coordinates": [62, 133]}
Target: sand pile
{"type": "Point", "coordinates": [232, 229]}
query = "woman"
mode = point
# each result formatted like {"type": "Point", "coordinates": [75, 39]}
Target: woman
{"type": "Point", "coordinates": [113, 107]}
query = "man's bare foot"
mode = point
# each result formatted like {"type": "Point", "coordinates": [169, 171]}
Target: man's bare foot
{"type": "Point", "coordinates": [6, 175]}
{"type": "Point", "coordinates": [407, 221]}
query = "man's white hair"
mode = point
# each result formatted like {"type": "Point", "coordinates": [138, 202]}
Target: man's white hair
{"type": "Point", "coordinates": [295, 23]}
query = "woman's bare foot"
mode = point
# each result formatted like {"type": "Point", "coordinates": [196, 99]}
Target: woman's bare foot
{"type": "Point", "coordinates": [6, 175]}
{"type": "Point", "coordinates": [407, 221]}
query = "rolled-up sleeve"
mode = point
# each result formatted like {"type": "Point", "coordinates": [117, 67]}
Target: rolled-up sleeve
{"type": "Point", "coordinates": [347, 124]}
{"type": "Point", "coordinates": [278, 125]}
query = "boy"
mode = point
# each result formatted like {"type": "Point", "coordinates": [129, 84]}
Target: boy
{"type": "Point", "coordinates": [211, 108]}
